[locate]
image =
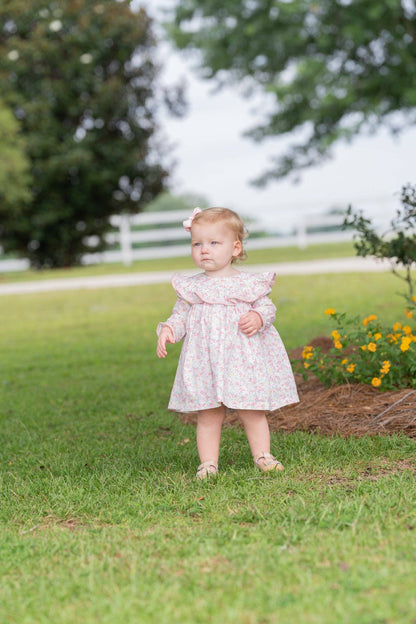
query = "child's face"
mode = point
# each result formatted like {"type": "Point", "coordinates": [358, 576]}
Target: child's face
{"type": "Point", "coordinates": [214, 245]}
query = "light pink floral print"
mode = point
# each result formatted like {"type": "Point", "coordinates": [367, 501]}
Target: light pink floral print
{"type": "Point", "coordinates": [218, 362]}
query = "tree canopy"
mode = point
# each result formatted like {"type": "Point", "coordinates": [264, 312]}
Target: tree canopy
{"type": "Point", "coordinates": [331, 68]}
{"type": "Point", "coordinates": [81, 80]}
{"type": "Point", "coordinates": [14, 165]}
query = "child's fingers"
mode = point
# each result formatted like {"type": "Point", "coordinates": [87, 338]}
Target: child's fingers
{"type": "Point", "coordinates": [245, 317]}
{"type": "Point", "coordinates": [249, 320]}
{"type": "Point", "coordinates": [161, 343]}
{"type": "Point", "coordinates": [246, 326]}
{"type": "Point", "coordinates": [161, 348]}
{"type": "Point", "coordinates": [245, 322]}
{"type": "Point", "coordinates": [249, 324]}
{"type": "Point", "coordinates": [249, 330]}
{"type": "Point", "coordinates": [162, 354]}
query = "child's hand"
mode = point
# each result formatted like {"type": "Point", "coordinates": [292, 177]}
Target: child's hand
{"type": "Point", "coordinates": [166, 335]}
{"type": "Point", "coordinates": [250, 323]}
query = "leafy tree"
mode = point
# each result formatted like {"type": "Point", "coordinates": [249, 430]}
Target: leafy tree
{"type": "Point", "coordinates": [81, 80]}
{"type": "Point", "coordinates": [331, 68]}
{"type": "Point", "coordinates": [14, 165]}
{"type": "Point", "coordinates": [398, 245]}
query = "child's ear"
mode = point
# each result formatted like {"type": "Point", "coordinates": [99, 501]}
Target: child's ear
{"type": "Point", "coordinates": [237, 248]}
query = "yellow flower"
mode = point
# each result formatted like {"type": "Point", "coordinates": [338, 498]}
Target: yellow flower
{"type": "Point", "coordinates": [414, 298]}
{"type": "Point", "coordinates": [405, 343]}
{"type": "Point", "coordinates": [407, 330]}
{"type": "Point", "coordinates": [372, 317]}
{"type": "Point", "coordinates": [376, 382]}
{"type": "Point", "coordinates": [372, 347]}
{"type": "Point", "coordinates": [392, 338]}
{"type": "Point", "coordinates": [337, 344]}
{"type": "Point", "coordinates": [306, 365]}
{"type": "Point", "coordinates": [363, 347]}
{"type": "Point", "coordinates": [385, 368]}
{"type": "Point", "coordinates": [397, 326]}
{"type": "Point", "coordinates": [350, 368]}
{"type": "Point", "coordinates": [377, 336]}
{"type": "Point", "coordinates": [344, 361]}
{"type": "Point", "coordinates": [307, 352]}
{"type": "Point", "coordinates": [335, 335]}
{"type": "Point", "coordinates": [330, 311]}
{"type": "Point", "coordinates": [408, 313]}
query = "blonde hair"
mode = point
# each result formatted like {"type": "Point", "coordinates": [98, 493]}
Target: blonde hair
{"type": "Point", "coordinates": [231, 219]}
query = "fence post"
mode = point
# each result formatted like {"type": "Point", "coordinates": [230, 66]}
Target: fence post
{"type": "Point", "coordinates": [301, 234]}
{"type": "Point", "coordinates": [125, 240]}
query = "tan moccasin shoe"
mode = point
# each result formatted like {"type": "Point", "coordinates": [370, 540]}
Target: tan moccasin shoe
{"type": "Point", "coordinates": [267, 463]}
{"type": "Point", "coordinates": [206, 470]}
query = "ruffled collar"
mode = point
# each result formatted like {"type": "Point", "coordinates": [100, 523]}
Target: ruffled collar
{"type": "Point", "coordinates": [237, 288]}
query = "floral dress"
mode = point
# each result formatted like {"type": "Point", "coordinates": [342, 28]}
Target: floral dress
{"type": "Point", "coordinates": [219, 364]}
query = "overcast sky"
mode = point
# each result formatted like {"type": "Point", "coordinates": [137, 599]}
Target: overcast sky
{"type": "Point", "coordinates": [215, 160]}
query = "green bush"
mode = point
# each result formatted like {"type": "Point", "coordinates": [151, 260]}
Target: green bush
{"type": "Point", "coordinates": [397, 245]}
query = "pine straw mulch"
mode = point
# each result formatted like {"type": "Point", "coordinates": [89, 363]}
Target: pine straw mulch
{"type": "Point", "coordinates": [347, 410]}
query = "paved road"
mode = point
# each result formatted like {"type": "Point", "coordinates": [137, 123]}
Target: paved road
{"type": "Point", "coordinates": [311, 267]}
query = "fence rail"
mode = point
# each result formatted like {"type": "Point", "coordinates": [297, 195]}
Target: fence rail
{"type": "Point", "coordinates": [147, 236]}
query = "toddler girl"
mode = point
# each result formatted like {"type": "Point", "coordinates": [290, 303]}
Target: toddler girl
{"type": "Point", "coordinates": [232, 355]}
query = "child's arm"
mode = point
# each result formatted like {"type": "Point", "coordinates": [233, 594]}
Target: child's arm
{"type": "Point", "coordinates": [174, 329]}
{"type": "Point", "coordinates": [261, 316]}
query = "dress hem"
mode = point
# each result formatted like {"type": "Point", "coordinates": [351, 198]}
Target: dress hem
{"type": "Point", "coordinates": [232, 407]}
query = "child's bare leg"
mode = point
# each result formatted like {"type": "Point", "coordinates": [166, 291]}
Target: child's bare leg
{"type": "Point", "coordinates": [208, 433]}
{"type": "Point", "coordinates": [257, 430]}
{"type": "Point", "coordinates": [258, 436]}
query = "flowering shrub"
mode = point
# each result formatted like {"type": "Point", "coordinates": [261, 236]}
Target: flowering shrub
{"type": "Point", "coordinates": [364, 351]}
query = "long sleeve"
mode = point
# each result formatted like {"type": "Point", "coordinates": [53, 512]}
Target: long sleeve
{"type": "Point", "coordinates": [177, 320]}
{"type": "Point", "coordinates": [267, 310]}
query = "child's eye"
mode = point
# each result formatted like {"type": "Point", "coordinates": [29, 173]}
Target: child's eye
{"type": "Point", "coordinates": [214, 242]}
{"type": "Point", "coordinates": [196, 244]}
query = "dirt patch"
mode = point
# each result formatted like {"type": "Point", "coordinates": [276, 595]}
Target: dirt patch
{"type": "Point", "coordinates": [369, 473]}
{"type": "Point", "coordinates": [347, 410]}
{"type": "Point", "coordinates": [323, 342]}
{"type": "Point", "coordinates": [51, 521]}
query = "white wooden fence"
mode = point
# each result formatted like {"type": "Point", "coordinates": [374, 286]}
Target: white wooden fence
{"type": "Point", "coordinates": [155, 239]}
{"type": "Point", "coordinates": [166, 227]}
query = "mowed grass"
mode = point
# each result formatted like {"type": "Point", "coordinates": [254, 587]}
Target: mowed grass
{"type": "Point", "coordinates": [101, 517]}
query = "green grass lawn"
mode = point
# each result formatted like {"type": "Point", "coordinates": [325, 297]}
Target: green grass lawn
{"type": "Point", "coordinates": [103, 522]}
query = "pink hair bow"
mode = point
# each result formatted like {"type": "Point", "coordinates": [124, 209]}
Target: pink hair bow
{"type": "Point", "coordinates": [187, 224]}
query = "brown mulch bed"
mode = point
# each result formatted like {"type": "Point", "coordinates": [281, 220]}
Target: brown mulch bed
{"type": "Point", "coordinates": [348, 410]}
